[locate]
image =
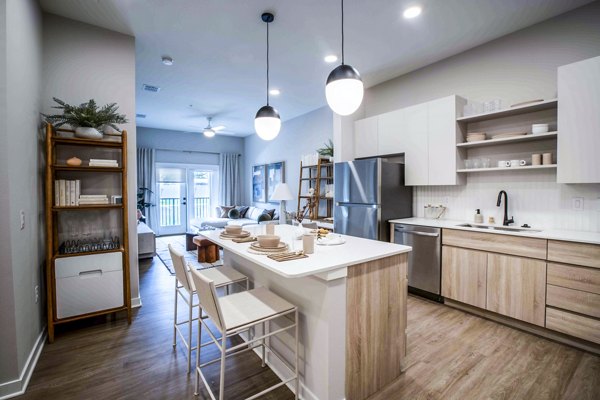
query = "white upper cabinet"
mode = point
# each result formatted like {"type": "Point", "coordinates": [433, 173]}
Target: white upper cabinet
{"type": "Point", "coordinates": [426, 133]}
{"type": "Point", "coordinates": [366, 137]}
{"type": "Point", "coordinates": [416, 148]}
{"type": "Point", "coordinates": [579, 122]}
{"type": "Point", "coordinates": [443, 134]}
{"type": "Point", "coordinates": [391, 128]}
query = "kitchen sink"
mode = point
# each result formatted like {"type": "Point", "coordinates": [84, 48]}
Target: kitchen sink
{"type": "Point", "coordinates": [498, 228]}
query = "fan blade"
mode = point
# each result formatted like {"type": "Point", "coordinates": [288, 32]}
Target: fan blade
{"type": "Point", "coordinates": [218, 128]}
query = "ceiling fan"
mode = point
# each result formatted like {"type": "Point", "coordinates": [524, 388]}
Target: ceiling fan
{"type": "Point", "coordinates": [210, 131]}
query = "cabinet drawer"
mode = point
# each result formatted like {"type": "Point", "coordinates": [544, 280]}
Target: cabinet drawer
{"type": "Point", "coordinates": [584, 254]}
{"type": "Point", "coordinates": [505, 244]}
{"type": "Point", "coordinates": [585, 328]}
{"type": "Point", "coordinates": [90, 283]}
{"type": "Point", "coordinates": [573, 300]}
{"type": "Point", "coordinates": [586, 279]}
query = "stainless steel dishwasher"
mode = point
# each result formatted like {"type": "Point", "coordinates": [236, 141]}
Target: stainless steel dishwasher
{"type": "Point", "coordinates": [424, 261]}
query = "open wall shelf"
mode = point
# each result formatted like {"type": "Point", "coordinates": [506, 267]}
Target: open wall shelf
{"type": "Point", "coordinates": [517, 139]}
{"type": "Point", "coordinates": [508, 112]}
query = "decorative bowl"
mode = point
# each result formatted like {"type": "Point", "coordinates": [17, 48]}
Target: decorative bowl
{"type": "Point", "coordinates": [268, 241]}
{"type": "Point", "coordinates": [233, 229]}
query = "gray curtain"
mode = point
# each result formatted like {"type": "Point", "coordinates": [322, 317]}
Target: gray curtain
{"type": "Point", "coordinates": [229, 174]}
{"type": "Point", "coordinates": [146, 178]}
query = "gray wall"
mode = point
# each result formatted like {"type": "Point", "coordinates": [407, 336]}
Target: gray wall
{"type": "Point", "coordinates": [81, 62]}
{"type": "Point", "coordinates": [21, 254]}
{"type": "Point", "coordinates": [517, 67]}
{"type": "Point", "coordinates": [298, 136]}
{"type": "Point", "coordinates": [187, 147]}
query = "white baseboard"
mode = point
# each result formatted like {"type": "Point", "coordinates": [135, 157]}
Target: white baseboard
{"type": "Point", "coordinates": [135, 303]}
{"type": "Point", "coordinates": [18, 386]}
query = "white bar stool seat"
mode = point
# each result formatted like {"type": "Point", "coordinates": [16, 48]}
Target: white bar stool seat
{"type": "Point", "coordinates": [238, 313]}
{"type": "Point", "coordinates": [223, 276]}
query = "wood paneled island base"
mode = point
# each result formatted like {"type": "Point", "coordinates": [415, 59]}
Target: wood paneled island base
{"type": "Point", "coordinates": [352, 304]}
{"type": "Point", "coordinates": [375, 325]}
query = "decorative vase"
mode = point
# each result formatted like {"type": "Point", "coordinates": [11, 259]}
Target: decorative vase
{"type": "Point", "coordinates": [74, 162]}
{"type": "Point", "coordinates": [86, 132]}
{"type": "Point", "coordinates": [109, 130]}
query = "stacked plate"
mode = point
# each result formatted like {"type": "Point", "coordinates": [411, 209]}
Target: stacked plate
{"type": "Point", "coordinates": [508, 135]}
{"type": "Point", "coordinates": [475, 136]}
{"type": "Point", "coordinates": [242, 234]}
{"type": "Point", "coordinates": [277, 249]}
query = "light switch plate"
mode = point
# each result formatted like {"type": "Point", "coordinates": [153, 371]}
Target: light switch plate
{"type": "Point", "coordinates": [577, 203]}
{"type": "Point", "coordinates": [22, 218]}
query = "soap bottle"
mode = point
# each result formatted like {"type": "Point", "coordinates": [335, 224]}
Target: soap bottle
{"type": "Point", "coordinates": [478, 217]}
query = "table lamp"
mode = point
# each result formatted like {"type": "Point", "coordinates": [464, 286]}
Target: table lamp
{"type": "Point", "coordinates": [282, 193]}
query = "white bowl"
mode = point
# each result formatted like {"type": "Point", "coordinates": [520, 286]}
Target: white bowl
{"type": "Point", "coordinates": [539, 128]}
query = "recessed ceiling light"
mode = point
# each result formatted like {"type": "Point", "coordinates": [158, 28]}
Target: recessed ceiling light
{"type": "Point", "coordinates": [275, 92]}
{"type": "Point", "coordinates": [331, 58]}
{"type": "Point", "coordinates": [412, 12]}
{"type": "Point", "coordinates": [167, 60]}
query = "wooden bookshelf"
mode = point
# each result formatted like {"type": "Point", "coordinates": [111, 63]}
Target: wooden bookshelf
{"type": "Point", "coordinates": [54, 213]}
{"type": "Point", "coordinates": [314, 176]}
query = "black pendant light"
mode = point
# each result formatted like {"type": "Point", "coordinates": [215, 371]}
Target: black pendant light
{"type": "Point", "coordinates": [267, 122]}
{"type": "Point", "coordinates": [344, 89]}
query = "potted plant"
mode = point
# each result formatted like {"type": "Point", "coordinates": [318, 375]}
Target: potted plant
{"type": "Point", "coordinates": [86, 118]}
{"type": "Point", "coordinates": [327, 150]}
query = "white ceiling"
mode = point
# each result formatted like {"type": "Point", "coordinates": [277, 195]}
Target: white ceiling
{"type": "Point", "coordinates": [219, 47]}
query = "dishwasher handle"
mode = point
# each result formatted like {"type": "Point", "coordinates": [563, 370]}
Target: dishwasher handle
{"type": "Point", "coordinates": [402, 230]}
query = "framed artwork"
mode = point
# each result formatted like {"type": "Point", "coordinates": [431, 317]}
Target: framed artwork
{"type": "Point", "coordinates": [275, 176]}
{"type": "Point", "coordinates": [259, 184]}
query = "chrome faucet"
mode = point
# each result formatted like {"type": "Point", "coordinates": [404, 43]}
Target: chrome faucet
{"type": "Point", "coordinates": [505, 220]}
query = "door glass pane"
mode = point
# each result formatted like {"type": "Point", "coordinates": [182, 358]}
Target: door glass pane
{"type": "Point", "coordinates": [170, 203]}
{"type": "Point", "coordinates": [201, 186]}
{"type": "Point", "coordinates": [171, 175]}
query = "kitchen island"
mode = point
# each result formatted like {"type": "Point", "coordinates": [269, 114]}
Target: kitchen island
{"type": "Point", "coordinates": [352, 304]}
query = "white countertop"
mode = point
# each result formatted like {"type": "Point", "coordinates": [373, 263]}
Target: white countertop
{"type": "Point", "coordinates": [325, 258]}
{"type": "Point", "coordinates": [554, 234]}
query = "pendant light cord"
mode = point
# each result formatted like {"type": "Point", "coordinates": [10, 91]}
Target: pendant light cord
{"type": "Point", "coordinates": [267, 63]}
{"type": "Point", "coordinates": [342, 32]}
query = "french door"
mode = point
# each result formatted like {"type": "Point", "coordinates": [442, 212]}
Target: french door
{"type": "Point", "coordinates": [186, 194]}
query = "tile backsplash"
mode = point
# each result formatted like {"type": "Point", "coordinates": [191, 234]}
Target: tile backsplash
{"type": "Point", "coordinates": [534, 198]}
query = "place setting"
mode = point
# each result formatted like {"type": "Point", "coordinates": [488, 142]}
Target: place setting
{"type": "Point", "coordinates": [237, 234]}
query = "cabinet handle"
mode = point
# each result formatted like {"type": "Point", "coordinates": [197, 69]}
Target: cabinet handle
{"type": "Point", "coordinates": [84, 274]}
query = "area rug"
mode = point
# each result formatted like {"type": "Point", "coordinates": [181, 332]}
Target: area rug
{"type": "Point", "coordinates": [178, 242]}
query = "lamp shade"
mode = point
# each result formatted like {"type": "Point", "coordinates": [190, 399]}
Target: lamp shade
{"type": "Point", "coordinates": [344, 90]}
{"type": "Point", "coordinates": [282, 192]}
{"type": "Point", "coordinates": [267, 123]}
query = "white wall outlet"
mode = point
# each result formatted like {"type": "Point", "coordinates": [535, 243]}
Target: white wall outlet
{"type": "Point", "coordinates": [577, 203]}
{"type": "Point", "coordinates": [22, 217]}
{"type": "Point", "coordinates": [36, 291]}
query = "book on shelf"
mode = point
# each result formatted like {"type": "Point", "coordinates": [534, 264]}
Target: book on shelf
{"type": "Point", "coordinates": [98, 162]}
{"type": "Point", "coordinates": [91, 199]}
{"type": "Point", "coordinates": [66, 192]}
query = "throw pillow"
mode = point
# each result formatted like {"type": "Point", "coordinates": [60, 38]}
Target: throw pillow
{"type": "Point", "coordinates": [263, 218]}
{"type": "Point", "coordinates": [242, 210]}
{"type": "Point", "coordinates": [254, 213]}
{"type": "Point", "coordinates": [234, 213]}
{"type": "Point", "coordinates": [225, 211]}
{"type": "Point", "coordinates": [270, 212]}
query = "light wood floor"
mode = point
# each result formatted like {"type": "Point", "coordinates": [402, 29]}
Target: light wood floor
{"type": "Point", "coordinates": [452, 355]}
{"type": "Point", "coordinates": [455, 355]}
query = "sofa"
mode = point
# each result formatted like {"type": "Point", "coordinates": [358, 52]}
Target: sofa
{"type": "Point", "coordinates": [246, 216]}
{"type": "Point", "coordinates": [146, 241]}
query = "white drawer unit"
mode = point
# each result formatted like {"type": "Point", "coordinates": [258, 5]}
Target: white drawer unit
{"type": "Point", "coordinates": [88, 283]}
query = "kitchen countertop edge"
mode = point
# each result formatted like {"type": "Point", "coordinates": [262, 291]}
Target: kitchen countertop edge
{"type": "Point", "coordinates": [549, 234]}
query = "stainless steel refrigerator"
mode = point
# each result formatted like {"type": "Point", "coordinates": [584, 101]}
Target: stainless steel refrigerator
{"type": "Point", "coordinates": [368, 193]}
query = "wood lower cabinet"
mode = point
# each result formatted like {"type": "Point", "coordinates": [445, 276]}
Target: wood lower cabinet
{"type": "Point", "coordinates": [464, 275]}
{"type": "Point", "coordinates": [573, 324]}
{"type": "Point", "coordinates": [516, 287]}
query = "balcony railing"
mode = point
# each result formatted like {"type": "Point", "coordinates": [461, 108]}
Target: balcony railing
{"type": "Point", "coordinates": [170, 210]}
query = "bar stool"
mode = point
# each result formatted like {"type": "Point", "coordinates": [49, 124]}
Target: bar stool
{"type": "Point", "coordinates": [238, 313]}
{"type": "Point", "coordinates": [184, 287]}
